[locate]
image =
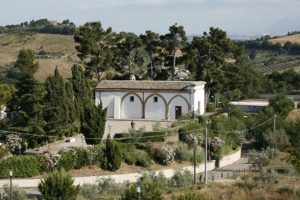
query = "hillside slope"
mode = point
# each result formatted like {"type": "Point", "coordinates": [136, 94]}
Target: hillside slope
{"type": "Point", "coordinates": [284, 39]}
{"type": "Point", "coordinates": [51, 51]}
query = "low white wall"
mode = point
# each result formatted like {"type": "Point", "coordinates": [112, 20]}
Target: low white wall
{"type": "Point", "coordinates": [131, 177]}
{"type": "Point", "coordinates": [228, 160]}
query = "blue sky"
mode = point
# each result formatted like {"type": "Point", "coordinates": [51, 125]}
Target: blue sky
{"type": "Point", "coordinates": [234, 16]}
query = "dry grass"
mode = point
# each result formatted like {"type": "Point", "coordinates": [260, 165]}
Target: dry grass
{"type": "Point", "coordinates": [11, 44]}
{"type": "Point", "coordinates": [245, 189]}
{"type": "Point", "coordinates": [290, 38]}
{"type": "Point", "coordinates": [294, 115]}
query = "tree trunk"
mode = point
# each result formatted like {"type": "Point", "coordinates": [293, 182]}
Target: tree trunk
{"type": "Point", "coordinates": [173, 68]}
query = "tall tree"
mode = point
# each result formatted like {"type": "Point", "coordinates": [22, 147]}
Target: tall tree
{"type": "Point", "coordinates": [94, 45]}
{"type": "Point", "coordinates": [151, 42]}
{"type": "Point", "coordinates": [130, 56]}
{"type": "Point", "coordinates": [174, 43]}
{"type": "Point", "coordinates": [214, 50]}
{"type": "Point", "coordinates": [92, 117]}
{"type": "Point", "coordinates": [27, 104]}
{"type": "Point", "coordinates": [60, 105]}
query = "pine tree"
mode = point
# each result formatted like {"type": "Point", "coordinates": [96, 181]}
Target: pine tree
{"type": "Point", "coordinates": [27, 104]}
{"type": "Point", "coordinates": [57, 186]}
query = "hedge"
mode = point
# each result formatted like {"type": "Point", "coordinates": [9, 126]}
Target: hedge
{"type": "Point", "coordinates": [156, 136]}
{"type": "Point", "coordinates": [22, 166]}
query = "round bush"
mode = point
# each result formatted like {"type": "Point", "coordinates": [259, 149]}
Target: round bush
{"type": "Point", "coordinates": [143, 160]}
{"type": "Point", "coordinates": [182, 153]}
{"type": "Point", "coordinates": [164, 155]}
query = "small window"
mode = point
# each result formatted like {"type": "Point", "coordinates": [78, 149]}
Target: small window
{"type": "Point", "coordinates": [131, 98]}
{"type": "Point", "coordinates": [155, 99]}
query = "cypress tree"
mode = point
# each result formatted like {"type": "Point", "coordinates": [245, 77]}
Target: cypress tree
{"type": "Point", "coordinates": [113, 155]}
{"type": "Point", "coordinates": [92, 117]}
{"type": "Point", "coordinates": [60, 114]}
{"type": "Point", "coordinates": [56, 113]}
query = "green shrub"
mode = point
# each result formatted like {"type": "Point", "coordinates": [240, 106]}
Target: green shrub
{"type": "Point", "coordinates": [67, 161]}
{"type": "Point", "coordinates": [129, 157]}
{"type": "Point", "coordinates": [182, 178]}
{"type": "Point", "coordinates": [128, 152]}
{"type": "Point", "coordinates": [278, 139]}
{"type": "Point", "coordinates": [82, 158]}
{"type": "Point", "coordinates": [211, 107]}
{"type": "Point", "coordinates": [268, 176]}
{"type": "Point", "coordinates": [3, 151]}
{"type": "Point", "coordinates": [155, 136]}
{"type": "Point", "coordinates": [158, 179]}
{"type": "Point", "coordinates": [104, 186]}
{"type": "Point", "coordinates": [89, 192]}
{"type": "Point", "coordinates": [58, 185]}
{"type": "Point", "coordinates": [199, 157]}
{"type": "Point", "coordinates": [17, 193]}
{"type": "Point", "coordinates": [143, 160]}
{"type": "Point", "coordinates": [149, 191]}
{"type": "Point", "coordinates": [183, 153]}
{"type": "Point", "coordinates": [188, 196]}
{"type": "Point", "coordinates": [186, 129]}
{"type": "Point", "coordinates": [109, 186]}
{"type": "Point", "coordinates": [113, 156]}
{"type": "Point", "coordinates": [96, 154]}
{"type": "Point", "coordinates": [75, 158]}
{"type": "Point", "coordinates": [258, 159]}
{"type": "Point", "coordinates": [142, 146]}
{"type": "Point", "coordinates": [22, 166]}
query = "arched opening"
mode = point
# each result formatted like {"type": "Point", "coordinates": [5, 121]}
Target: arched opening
{"type": "Point", "coordinates": [155, 107]}
{"type": "Point", "coordinates": [178, 106]}
{"type": "Point", "coordinates": [132, 106]}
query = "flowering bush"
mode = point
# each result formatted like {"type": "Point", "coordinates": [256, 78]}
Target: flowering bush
{"type": "Point", "coordinates": [193, 139]}
{"type": "Point", "coordinates": [216, 143]}
{"type": "Point", "coordinates": [165, 155]}
{"type": "Point", "coordinates": [49, 161]}
{"type": "Point", "coordinates": [13, 142]}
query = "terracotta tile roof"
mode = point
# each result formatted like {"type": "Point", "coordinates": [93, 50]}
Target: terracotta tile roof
{"type": "Point", "coordinates": [148, 85]}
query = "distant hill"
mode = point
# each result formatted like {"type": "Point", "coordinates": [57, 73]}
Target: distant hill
{"type": "Point", "coordinates": [51, 50]}
{"type": "Point", "coordinates": [295, 38]}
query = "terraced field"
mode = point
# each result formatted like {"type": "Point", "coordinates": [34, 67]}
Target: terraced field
{"type": "Point", "coordinates": [279, 64]}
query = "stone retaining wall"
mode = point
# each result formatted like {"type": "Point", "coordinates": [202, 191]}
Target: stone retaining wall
{"type": "Point", "coordinates": [131, 177]}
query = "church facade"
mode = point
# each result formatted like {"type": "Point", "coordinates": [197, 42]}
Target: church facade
{"type": "Point", "coordinates": [154, 100]}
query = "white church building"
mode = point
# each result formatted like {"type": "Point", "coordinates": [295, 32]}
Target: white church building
{"type": "Point", "coordinates": [130, 99]}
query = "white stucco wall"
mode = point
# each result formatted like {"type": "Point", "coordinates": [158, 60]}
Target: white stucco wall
{"type": "Point", "coordinates": [108, 101]}
{"type": "Point", "coordinates": [119, 106]}
{"type": "Point", "coordinates": [199, 96]}
{"type": "Point", "coordinates": [155, 110]}
{"type": "Point", "coordinates": [132, 110]}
